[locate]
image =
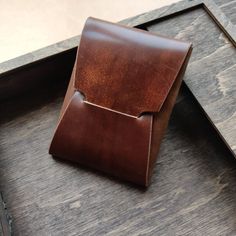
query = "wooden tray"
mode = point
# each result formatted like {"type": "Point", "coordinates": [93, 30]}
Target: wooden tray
{"type": "Point", "coordinates": [193, 187]}
{"type": "Point", "coordinates": [210, 75]}
{"type": "Point", "coordinates": [212, 69]}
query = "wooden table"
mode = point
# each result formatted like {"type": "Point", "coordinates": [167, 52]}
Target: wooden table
{"type": "Point", "coordinates": [193, 188]}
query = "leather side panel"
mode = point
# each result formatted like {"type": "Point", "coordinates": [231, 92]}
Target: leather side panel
{"type": "Point", "coordinates": [105, 140]}
{"type": "Point", "coordinates": [161, 118]}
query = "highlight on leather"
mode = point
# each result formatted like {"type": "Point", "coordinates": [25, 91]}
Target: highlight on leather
{"type": "Point", "coordinates": [130, 79]}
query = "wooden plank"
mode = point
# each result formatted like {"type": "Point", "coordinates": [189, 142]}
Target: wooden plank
{"type": "Point", "coordinates": [192, 190]}
{"type": "Point", "coordinates": [30, 77]}
{"type": "Point", "coordinates": [13, 71]}
{"type": "Point", "coordinates": [193, 186]}
{"type": "Point", "coordinates": [212, 69]}
{"type": "Point", "coordinates": [228, 8]}
{"type": "Point", "coordinates": [5, 220]}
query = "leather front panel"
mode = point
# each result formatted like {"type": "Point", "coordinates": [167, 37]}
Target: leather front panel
{"type": "Point", "coordinates": [102, 139]}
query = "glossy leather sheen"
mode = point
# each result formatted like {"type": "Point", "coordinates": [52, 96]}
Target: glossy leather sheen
{"type": "Point", "coordinates": [123, 87]}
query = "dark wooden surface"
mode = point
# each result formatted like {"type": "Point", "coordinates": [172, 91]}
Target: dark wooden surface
{"type": "Point", "coordinates": [211, 74]}
{"type": "Point", "coordinates": [192, 192]}
{"type": "Point", "coordinates": [215, 92]}
{"type": "Point", "coordinates": [212, 69]}
{"type": "Point", "coordinates": [5, 220]}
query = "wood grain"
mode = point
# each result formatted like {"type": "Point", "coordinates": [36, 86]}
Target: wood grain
{"type": "Point", "coordinates": [192, 192]}
{"type": "Point", "coordinates": [212, 68]}
{"type": "Point", "coordinates": [11, 69]}
{"type": "Point", "coordinates": [193, 188]}
{"type": "Point", "coordinates": [15, 80]}
{"type": "Point", "coordinates": [5, 220]}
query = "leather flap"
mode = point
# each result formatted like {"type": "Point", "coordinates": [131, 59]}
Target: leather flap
{"type": "Point", "coordinates": [125, 69]}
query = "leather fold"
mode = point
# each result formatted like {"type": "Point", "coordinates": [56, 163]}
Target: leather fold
{"type": "Point", "coordinates": [122, 90]}
{"type": "Point", "coordinates": [111, 59]}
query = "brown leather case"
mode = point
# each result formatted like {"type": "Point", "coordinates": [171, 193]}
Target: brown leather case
{"type": "Point", "coordinates": [123, 87]}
